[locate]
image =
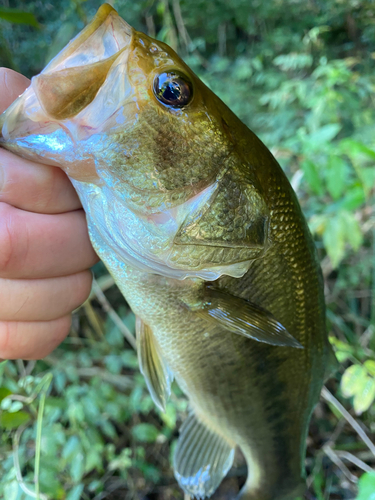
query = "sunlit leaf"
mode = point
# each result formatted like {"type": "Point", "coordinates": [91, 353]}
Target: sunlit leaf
{"type": "Point", "coordinates": [365, 395]}
{"type": "Point", "coordinates": [13, 420]}
{"type": "Point", "coordinates": [293, 61]}
{"type": "Point", "coordinates": [146, 433]}
{"type": "Point", "coordinates": [352, 380]}
{"type": "Point", "coordinates": [352, 148]}
{"type": "Point", "coordinates": [343, 351]}
{"type": "Point", "coordinates": [353, 231]}
{"type": "Point", "coordinates": [366, 487]}
{"type": "Point", "coordinates": [334, 239]}
{"type": "Point", "coordinates": [370, 366]}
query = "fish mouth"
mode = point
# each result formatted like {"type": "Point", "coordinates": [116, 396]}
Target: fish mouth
{"type": "Point", "coordinates": [69, 83]}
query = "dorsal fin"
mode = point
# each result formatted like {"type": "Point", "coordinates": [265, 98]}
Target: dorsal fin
{"type": "Point", "coordinates": [157, 375]}
{"type": "Point", "coordinates": [65, 93]}
{"type": "Point", "coordinates": [202, 458]}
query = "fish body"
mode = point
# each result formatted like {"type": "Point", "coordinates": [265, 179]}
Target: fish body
{"type": "Point", "coordinates": [201, 230]}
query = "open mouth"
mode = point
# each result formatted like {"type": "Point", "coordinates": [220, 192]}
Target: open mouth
{"type": "Point", "coordinates": [71, 81]}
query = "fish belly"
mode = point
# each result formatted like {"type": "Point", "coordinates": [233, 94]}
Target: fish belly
{"type": "Point", "coordinates": [257, 396]}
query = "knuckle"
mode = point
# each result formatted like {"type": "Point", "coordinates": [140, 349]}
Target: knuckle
{"type": "Point", "coordinates": [82, 286]}
{"type": "Point", "coordinates": [5, 336]}
{"type": "Point", "coordinates": [48, 190]}
{"type": "Point", "coordinates": [7, 237]}
{"type": "Point", "coordinates": [14, 240]}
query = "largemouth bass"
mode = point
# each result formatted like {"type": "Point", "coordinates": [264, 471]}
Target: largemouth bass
{"type": "Point", "coordinates": [203, 234]}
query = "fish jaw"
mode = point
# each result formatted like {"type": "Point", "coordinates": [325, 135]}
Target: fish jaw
{"type": "Point", "coordinates": [51, 121]}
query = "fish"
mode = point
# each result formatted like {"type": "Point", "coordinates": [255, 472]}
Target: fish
{"type": "Point", "coordinates": [203, 234]}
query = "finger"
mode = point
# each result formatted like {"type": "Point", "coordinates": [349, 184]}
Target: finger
{"type": "Point", "coordinates": [32, 340]}
{"type": "Point", "coordinates": [35, 187]}
{"type": "Point", "coordinates": [43, 299]}
{"type": "Point", "coordinates": [12, 85]}
{"type": "Point", "coordinates": [43, 246]}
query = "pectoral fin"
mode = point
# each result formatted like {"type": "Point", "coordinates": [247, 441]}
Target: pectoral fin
{"type": "Point", "coordinates": [245, 318]}
{"type": "Point", "coordinates": [154, 369]}
{"type": "Point", "coordinates": [202, 458]}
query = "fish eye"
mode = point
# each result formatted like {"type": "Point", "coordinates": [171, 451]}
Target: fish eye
{"type": "Point", "coordinates": [173, 89]}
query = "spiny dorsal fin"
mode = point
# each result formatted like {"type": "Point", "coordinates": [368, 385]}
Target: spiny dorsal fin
{"type": "Point", "coordinates": [245, 318]}
{"type": "Point", "coordinates": [65, 93]}
{"type": "Point", "coordinates": [154, 369]}
{"type": "Point", "coordinates": [202, 458]}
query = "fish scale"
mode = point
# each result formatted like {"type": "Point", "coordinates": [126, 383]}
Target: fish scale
{"type": "Point", "coordinates": [203, 234]}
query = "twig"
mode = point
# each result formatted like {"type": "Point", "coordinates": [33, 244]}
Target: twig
{"type": "Point", "coordinates": [330, 398]}
{"type": "Point", "coordinates": [354, 460]}
{"type": "Point", "coordinates": [336, 460]}
{"type": "Point", "coordinates": [21, 482]}
{"type": "Point", "coordinates": [180, 23]}
{"type": "Point", "coordinates": [120, 381]}
{"type": "Point", "coordinates": [113, 315]}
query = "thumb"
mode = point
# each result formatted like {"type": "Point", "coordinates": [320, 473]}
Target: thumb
{"type": "Point", "coordinates": [12, 84]}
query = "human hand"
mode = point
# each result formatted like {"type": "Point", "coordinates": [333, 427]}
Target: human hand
{"type": "Point", "coordinates": [45, 251]}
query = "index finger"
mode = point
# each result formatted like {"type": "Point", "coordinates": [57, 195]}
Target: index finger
{"type": "Point", "coordinates": [26, 184]}
{"type": "Point", "coordinates": [12, 85]}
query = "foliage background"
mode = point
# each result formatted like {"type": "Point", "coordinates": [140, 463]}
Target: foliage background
{"type": "Point", "coordinates": [300, 73]}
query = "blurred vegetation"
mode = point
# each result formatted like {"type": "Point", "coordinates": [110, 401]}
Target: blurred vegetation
{"type": "Point", "coordinates": [301, 74]}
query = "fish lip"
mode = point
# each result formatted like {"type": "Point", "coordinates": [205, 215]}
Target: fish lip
{"type": "Point", "coordinates": [105, 22]}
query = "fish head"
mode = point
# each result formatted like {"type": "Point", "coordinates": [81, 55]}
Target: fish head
{"type": "Point", "coordinates": [152, 152]}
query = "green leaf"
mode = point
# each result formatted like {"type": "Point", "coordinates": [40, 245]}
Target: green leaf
{"type": "Point", "coordinates": [11, 490]}
{"type": "Point", "coordinates": [324, 134]}
{"type": "Point", "coordinates": [75, 493]}
{"type": "Point", "coordinates": [71, 448]}
{"type": "Point", "coordinates": [366, 487]}
{"type": "Point", "coordinates": [365, 395]}
{"type": "Point", "coordinates": [18, 17]}
{"type": "Point", "coordinates": [336, 175]}
{"type": "Point", "coordinates": [77, 467]}
{"type": "Point", "coordinates": [343, 351]}
{"type": "Point", "coordinates": [146, 433]}
{"type": "Point", "coordinates": [352, 380]}
{"type": "Point", "coordinates": [293, 60]}
{"type": "Point", "coordinates": [13, 420]}
{"type": "Point", "coordinates": [354, 198]}
{"type": "Point", "coordinates": [122, 461]}
{"type": "Point", "coordinates": [353, 148]}
{"type": "Point", "coordinates": [312, 176]}
{"type": "Point", "coordinates": [370, 366]}
{"type": "Point", "coordinates": [169, 417]}
{"type": "Point", "coordinates": [340, 230]}
{"type": "Point", "coordinates": [4, 392]}
{"type": "Point", "coordinates": [353, 230]}
{"type": "Point", "coordinates": [334, 239]}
